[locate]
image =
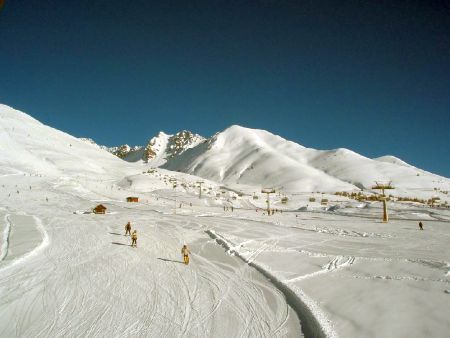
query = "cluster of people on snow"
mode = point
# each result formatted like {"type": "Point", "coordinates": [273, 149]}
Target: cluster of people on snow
{"type": "Point", "coordinates": [184, 250]}
{"type": "Point", "coordinates": [270, 211]}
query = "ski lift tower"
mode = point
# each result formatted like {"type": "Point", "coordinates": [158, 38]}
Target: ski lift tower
{"type": "Point", "coordinates": [268, 191]}
{"type": "Point", "coordinates": [383, 187]}
{"type": "Point", "coordinates": [200, 186]}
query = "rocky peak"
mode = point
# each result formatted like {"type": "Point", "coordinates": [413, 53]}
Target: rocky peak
{"type": "Point", "coordinates": [121, 151]}
{"type": "Point", "coordinates": [181, 141]}
{"type": "Point", "coordinates": [159, 148]}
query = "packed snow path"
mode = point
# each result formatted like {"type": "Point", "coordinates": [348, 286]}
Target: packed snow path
{"type": "Point", "coordinates": [90, 282]}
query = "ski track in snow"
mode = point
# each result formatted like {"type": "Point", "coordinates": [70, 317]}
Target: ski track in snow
{"type": "Point", "coordinates": [19, 260]}
{"type": "Point", "coordinates": [5, 243]}
{"type": "Point", "coordinates": [314, 321]}
{"type": "Point", "coordinates": [336, 263]}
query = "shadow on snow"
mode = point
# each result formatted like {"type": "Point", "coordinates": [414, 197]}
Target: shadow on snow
{"type": "Point", "coordinates": [117, 243]}
{"type": "Point", "coordinates": [170, 260]}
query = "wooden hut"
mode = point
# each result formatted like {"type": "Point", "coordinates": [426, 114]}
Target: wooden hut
{"type": "Point", "coordinates": [100, 209]}
{"type": "Point", "coordinates": [132, 199]}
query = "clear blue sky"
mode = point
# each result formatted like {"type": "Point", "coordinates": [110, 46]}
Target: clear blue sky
{"type": "Point", "coordinates": [372, 76]}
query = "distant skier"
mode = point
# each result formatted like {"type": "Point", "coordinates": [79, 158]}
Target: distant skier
{"type": "Point", "coordinates": [128, 228]}
{"type": "Point", "coordinates": [185, 252]}
{"type": "Point", "coordinates": [134, 239]}
{"type": "Point", "coordinates": [420, 226]}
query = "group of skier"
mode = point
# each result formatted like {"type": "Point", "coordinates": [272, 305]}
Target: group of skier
{"type": "Point", "coordinates": [184, 250]}
{"type": "Point", "coordinates": [133, 235]}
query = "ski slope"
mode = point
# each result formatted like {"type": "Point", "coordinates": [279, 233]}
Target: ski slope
{"type": "Point", "coordinates": [90, 282]}
{"type": "Point", "coordinates": [312, 270]}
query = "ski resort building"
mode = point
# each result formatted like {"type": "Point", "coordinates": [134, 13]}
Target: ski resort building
{"type": "Point", "coordinates": [100, 209]}
{"type": "Point", "coordinates": [132, 199]}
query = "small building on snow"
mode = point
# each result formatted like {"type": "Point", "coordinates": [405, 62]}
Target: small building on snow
{"type": "Point", "coordinates": [132, 199]}
{"type": "Point", "coordinates": [100, 209]}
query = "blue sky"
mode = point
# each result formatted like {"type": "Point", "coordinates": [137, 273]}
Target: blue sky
{"type": "Point", "coordinates": [371, 76]}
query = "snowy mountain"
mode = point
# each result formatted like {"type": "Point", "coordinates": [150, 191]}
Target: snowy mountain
{"type": "Point", "coordinates": [236, 155]}
{"type": "Point", "coordinates": [159, 149]}
{"type": "Point", "coordinates": [241, 155]}
{"type": "Point", "coordinates": [41, 149]}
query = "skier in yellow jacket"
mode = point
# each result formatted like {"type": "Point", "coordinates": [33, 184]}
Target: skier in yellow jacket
{"type": "Point", "coordinates": [185, 252]}
{"type": "Point", "coordinates": [134, 239]}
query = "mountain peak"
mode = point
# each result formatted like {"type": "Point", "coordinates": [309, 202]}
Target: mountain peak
{"type": "Point", "coordinates": [162, 134]}
{"type": "Point", "coordinates": [393, 160]}
{"type": "Point", "coordinates": [182, 141]}
{"type": "Point", "coordinates": [159, 148]}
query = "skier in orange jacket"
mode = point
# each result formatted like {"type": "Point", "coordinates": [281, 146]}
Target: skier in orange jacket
{"type": "Point", "coordinates": [185, 252]}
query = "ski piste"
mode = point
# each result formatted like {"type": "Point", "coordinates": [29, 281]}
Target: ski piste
{"type": "Point", "coordinates": [322, 270]}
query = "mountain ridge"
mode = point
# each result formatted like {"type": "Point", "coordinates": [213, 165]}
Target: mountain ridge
{"type": "Point", "coordinates": [235, 156]}
{"type": "Point", "coordinates": [158, 149]}
{"type": "Point", "coordinates": [241, 155]}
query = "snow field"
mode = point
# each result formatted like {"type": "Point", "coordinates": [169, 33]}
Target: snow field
{"type": "Point", "coordinates": [68, 272]}
{"type": "Point", "coordinates": [359, 283]}
{"type": "Point", "coordinates": [90, 282]}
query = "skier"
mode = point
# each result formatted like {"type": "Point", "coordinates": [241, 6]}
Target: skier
{"type": "Point", "coordinates": [128, 228]}
{"type": "Point", "coordinates": [134, 239]}
{"type": "Point", "coordinates": [420, 226]}
{"type": "Point", "coordinates": [185, 252]}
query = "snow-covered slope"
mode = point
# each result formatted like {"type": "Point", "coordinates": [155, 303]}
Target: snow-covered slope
{"type": "Point", "coordinates": [393, 160]}
{"type": "Point", "coordinates": [237, 155]}
{"type": "Point", "coordinates": [254, 157]}
{"type": "Point", "coordinates": [325, 271]}
{"type": "Point", "coordinates": [361, 171]}
{"type": "Point", "coordinates": [257, 157]}
{"type": "Point", "coordinates": [28, 145]}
